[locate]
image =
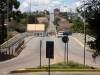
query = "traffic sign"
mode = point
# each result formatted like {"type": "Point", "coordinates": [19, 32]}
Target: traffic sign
{"type": "Point", "coordinates": [65, 39]}
{"type": "Point", "coordinates": [49, 49]}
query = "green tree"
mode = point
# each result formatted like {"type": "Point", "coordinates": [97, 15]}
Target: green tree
{"type": "Point", "coordinates": [12, 25]}
{"type": "Point", "coordinates": [56, 21]}
{"type": "Point", "coordinates": [8, 7]}
{"type": "Point", "coordinates": [94, 26]}
{"type": "Point", "coordinates": [46, 24]}
{"type": "Point", "coordinates": [21, 27]}
{"type": "Point", "coordinates": [32, 18]}
{"type": "Point", "coordinates": [18, 26]}
{"type": "Point", "coordinates": [78, 26]}
{"type": "Point", "coordinates": [93, 22]}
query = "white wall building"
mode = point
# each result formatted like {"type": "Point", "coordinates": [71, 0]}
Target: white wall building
{"type": "Point", "coordinates": [36, 29]}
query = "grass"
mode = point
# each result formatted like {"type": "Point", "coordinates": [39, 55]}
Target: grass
{"type": "Point", "coordinates": [62, 65]}
{"type": "Point", "coordinates": [71, 66]}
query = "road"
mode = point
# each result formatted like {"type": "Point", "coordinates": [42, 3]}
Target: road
{"type": "Point", "coordinates": [51, 27]}
{"type": "Point", "coordinates": [29, 57]}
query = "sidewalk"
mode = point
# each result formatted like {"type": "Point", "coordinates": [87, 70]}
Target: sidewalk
{"type": "Point", "coordinates": [81, 40]}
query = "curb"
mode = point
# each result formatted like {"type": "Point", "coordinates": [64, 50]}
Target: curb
{"type": "Point", "coordinates": [57, 70]}
{"type": "Point", "coordinates": [22, 47]}
{"type": "Point", "coordinates": [28, 40]}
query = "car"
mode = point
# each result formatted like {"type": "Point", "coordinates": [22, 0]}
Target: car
{"type": "Point", "coordinates": [60, 34]}
{"type": "Point", "coordinates": [46, 35]}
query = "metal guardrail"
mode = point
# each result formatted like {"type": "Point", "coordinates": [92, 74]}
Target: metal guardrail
{"type": "Point", "coordinates": [14, 42]}
{"type": "Point", "coordinates": [81, 35]}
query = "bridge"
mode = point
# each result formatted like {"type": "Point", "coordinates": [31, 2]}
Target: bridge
{"type": "Point", "coordinates": [10, 48]}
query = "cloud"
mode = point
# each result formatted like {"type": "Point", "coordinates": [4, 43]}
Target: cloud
{"type": "Point", "coordinates": [24, 6]}
{"type": "Point", "coordinates": [49, 5]}
{"type": "Point", "coordinates": [72, 7]}
{"type": "Point", "coordinates": [78, 4]}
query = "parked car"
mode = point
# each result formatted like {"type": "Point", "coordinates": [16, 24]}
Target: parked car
{"type": "Point", "coordinates": [63, 33]}
{"type": "Point", "coordinates": [60, 34]}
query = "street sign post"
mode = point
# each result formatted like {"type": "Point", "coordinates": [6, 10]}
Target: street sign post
{"type": "Point", "coordinates": [40, 52]}
{"type": "Point", "coordinates": [49, 52]}
{"type": "Point", "coordinates": [50, 46]}
{"type": "Point", "coordinates": [65, 40]}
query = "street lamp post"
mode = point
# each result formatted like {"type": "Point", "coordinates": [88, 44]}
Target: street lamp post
{"type": "Point", "coordinates": [84, 34]}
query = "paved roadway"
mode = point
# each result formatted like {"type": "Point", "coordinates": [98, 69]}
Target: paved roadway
{"type": "Point", "coordinates": [51, 27]}
{"type": "Point", "coordinates": [29, 57]}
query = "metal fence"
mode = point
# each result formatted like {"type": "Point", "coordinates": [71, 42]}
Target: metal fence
{"type": "Point", "coordinates": [10, 47]}
{"type": "Point", "coordinates": [81, 35]}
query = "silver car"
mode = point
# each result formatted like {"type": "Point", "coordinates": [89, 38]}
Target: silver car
{"type": "Point", "coordinates": [60, 34]}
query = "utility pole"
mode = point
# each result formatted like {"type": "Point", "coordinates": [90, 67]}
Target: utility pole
{"type": "Point", "coordinates": [30, 6]}
{"type": "Point", "coordinates": [2, 36]}
{"type": "Point", "coordinates": [84, 34]}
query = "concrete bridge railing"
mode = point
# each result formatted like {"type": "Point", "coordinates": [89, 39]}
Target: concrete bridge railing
{"type": "Point", "coordinates": [10, 47]}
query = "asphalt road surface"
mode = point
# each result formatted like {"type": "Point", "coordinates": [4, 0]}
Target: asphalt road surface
{"type": "Point", "coordinates": [30, 56]}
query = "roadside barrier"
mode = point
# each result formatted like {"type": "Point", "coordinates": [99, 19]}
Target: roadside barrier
{"type": "Point", "coordinates": [9, 48]}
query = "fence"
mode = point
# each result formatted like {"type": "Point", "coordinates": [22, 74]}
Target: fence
{"type": "Point", "coordinates": [81, 35]}
{"type": "Point", "coordinates": [10, 47]}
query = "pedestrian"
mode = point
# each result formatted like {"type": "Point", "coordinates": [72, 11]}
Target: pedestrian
{"type": "Point", "coordinates": [94, 57]}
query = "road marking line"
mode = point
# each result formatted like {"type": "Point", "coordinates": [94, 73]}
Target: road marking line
{"type": "Point", "coordinates": [77, 40]}
{"type": "Point", "coordinates": [54, 60]}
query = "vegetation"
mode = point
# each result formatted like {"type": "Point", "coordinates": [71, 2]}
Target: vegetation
{"type": "Point", "coordinates": [93, 23]}
{"type": "Point", "coordinates": [78, 26]}
{"type": "Point", "coordinates": [55, 21]}
{"type": "Point", "coordinates": [32, 18]}
{"type": "Point", "coordinates": [5, 33]}
{"type": "Point", "coordinates": [7, 6]}
{"type": "Point", "coordinates": [64, 14]}
{"type": "Point", "coordinates": [46, 24]}
{"type": "Point", "coordinates": [69, 20]}
{"type": "Point", "coordinates": [62, 65]}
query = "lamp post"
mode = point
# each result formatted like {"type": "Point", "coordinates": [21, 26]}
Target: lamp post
{"type": "Point", "coordinates": [84, 34]}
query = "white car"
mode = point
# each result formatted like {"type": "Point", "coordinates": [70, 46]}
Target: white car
{"type": "Point", "coordinates": [60, 34]}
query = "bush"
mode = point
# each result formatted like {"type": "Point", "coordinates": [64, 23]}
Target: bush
{"type": "Point", "coordinates": [10, 36]}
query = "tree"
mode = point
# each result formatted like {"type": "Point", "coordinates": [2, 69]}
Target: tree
{"type": "Point", "coordinates": [8, 7]}
{"type": "Point", "coordinates": [18, 26]}
{"type": "Point", "coordinates": [21, 27]}
{"type": "Point", "coordinates": [55, 21]}
{"type": "Point", "coordinates": [78, 26]}
{"type": "Point", "coordinates": [46, 24]}
{"type": "Point", "coordinates": [93, 22]}
{"type": "Point", "coordinates": [12, 25]}
{"type": "Point", "coordinates": [94, 26]}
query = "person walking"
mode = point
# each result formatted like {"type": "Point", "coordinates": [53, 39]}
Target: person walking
{"type": "Point", "coordinates": [94, 56]}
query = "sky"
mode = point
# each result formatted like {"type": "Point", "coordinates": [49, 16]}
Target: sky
{"type": "Point", "coordinates": [50, 5]}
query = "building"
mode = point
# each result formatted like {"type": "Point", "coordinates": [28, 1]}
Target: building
{"type": "Point", "coordinates": [72, 15]}
{"type": "Point", "coordinates": [42, 19]}
{"type": "Point", "coordinates": [56, 11]}
{"type": "Point", "coordinates": [36, 29]}
{"type": "Point", "coordinates": [63, 25]}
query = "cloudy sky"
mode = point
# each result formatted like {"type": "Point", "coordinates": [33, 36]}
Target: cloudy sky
{"type": "Point", "coordinates": [50, 5]}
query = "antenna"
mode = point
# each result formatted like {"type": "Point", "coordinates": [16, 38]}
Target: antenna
{"type": "Point", "coordinates": [30, 6]}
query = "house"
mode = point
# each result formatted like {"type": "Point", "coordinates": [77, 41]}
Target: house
{"type": "Point", "coordinates": [56, 11]}
{"type": "Point", "coordinates": [42, 19]}
{"type": "Point", "coordinates": [72, 15]}
{"type": "Point", "coordinates": [36, 29]}
{"type": "Point", "coordinates": [64, 25]}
